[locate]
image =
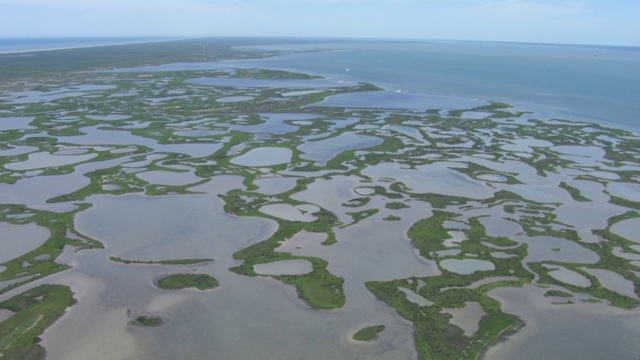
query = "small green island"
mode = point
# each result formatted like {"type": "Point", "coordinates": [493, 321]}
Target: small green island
{"type": "Point", "coordinates": [148, 321]}
{"type": "Point", "coordinates": [369, 333]}
{"type": "Point", "coordinates": [183, 281]}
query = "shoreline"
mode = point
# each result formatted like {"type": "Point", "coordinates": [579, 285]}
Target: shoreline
{"type": "Point", "coordinates": [24, 52]}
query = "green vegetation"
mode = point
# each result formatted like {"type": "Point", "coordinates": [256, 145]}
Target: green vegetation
{"type": "Point", "coordinates": [392, 218]}
{"type": "Point", "coordinates": [369, 333]}
{"type": "Point", "coordinates": [435, 337]}
{"type": "Point", "coordinates": [42, 259]}
{"type": "Point", "coordinates": [67, 62]}
{"type": "Point", "coordinates": [148, 321]}
{"type": "Point", "coordinates": [182, 281]}
{"type": "Point", "coordinates": [361, 215]}
{"type": "Point", "coordinates": [161, 262]}
{"type": "Point", "coordinates": [34, 311]}
{"type": "Point", "coordinates": [396, 205]}
{"type": "Point", "coordinates": [575, 193]}
{"type": "Point", "coordinates": [357, 202]}
{"type": "Point", "coordinates": [319, 288]}
{"type": "Point", "coordinates": [557, 293]}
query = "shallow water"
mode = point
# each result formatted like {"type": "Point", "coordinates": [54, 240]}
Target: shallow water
{"type": "Point", "coordinates": [5, 314]}
{"type": "Point", "coordinates": [628, 229]}
{"type": "Point", "coordinates": [273, 186]}
{"type": "Point", "coordinates": [567, 276]}
{"type": "Point", "coordinates": [434, 178]}
{"type": "Point", "coordinates": [466, 266]}
{"type": "Point", "coordinates": [232, 99]}
{"type": "Point", "coordinates": [16, 123]}
{"type": "Point", "coordinates": [249, 83]}
{"type": "Point", "coordinates": [629, 191]}
{"type": "Point", "coordinates": [95, 136]}
{"type": "Point", "coordinates": [400, 100]}
{"type": "Point", "coordinates": [196, 226]}
{"type": "Point", "coordinates": [44, 160]}
{"type": "Point", "coordinates": [547, 248]}
{"type": "Point", "coordinates": [324, 150]}
{"type": "Point", "coordinates": [17, 240]}
{"type": "Point", "coordinates": [110, 117]}
{"type": "Point", "coordinates": [565, 331]}
{"type": "Point", "coordinates": [496, 226]}
{"type": "Point", "coordinates": [284, 267]}
{"type": "Point", "coordinates": [199, 133]}
{"type": "Point", "coordinates": [18, 150]}
{"type": "Point", "coordinates": [415, 298]}
{"type": "Point", "coordinates": [264, 156]}
{"type": "Point", "coordinates": [467, 318]}
{"type": "Point", "coordinates": [614, 282]}
{"type": "Point", "coordinates": [172, 178]}
{"type": "Point", "coordinates": [331, 193]}
{"type": "Point", "coordinates": [291, 213]}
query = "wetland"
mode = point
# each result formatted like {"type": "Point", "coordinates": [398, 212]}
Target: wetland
{"type": "Point", "coordinates": [226, 198]}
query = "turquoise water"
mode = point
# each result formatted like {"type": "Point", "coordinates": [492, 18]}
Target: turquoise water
{"type": "Point", "coordinates": [592, 83]}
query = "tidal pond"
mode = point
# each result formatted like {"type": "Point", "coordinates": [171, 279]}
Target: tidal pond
{"type": "Point", "coordinates": [628, 229]}
{"type": "Point", "coordinates": [274, 185]}
{"type": "Point", "coordinates": [467, 318]}
{"type": "Point", "coordinates": [289, 212]}
{"type": "Point", "coordinates": [613, 281]}
{"type": "Point", "coordinates": [466, 266]}
{"type": "Point", "coordinates": [232, 99]}
{"type": "Point", "coordinates": [172, 178]}
{"type": "Point", "coordinates": [284, 267]}
{"type": "Point", "coordinates": [16, 240]}
{"type": "Point", "coordinates": [567, 276]}
{"type": "Point", "coordinates": [415, 298]}
{"type": "Point", "coordinates": [16, 123]}
{"type": "Point", "coordinates": [324, 150]}
{"type": "Point", "coordinates": [434, 178]}
{"type": "Point", "coordinates": [44, 160]}
{"type": "Point", "coordinates": [264, 156]}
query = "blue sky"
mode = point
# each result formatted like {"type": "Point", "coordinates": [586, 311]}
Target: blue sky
{"type": "Point", "coordinates": [610, 22]}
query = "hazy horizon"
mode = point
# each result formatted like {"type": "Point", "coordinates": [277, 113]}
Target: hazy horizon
{"type": "Point", "coordinates": [579, 22]}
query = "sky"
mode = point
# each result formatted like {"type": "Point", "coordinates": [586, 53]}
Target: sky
{"type": "Point", "coordinates": [603, 22]}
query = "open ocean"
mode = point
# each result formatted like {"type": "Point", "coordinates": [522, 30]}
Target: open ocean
{"type": "Point", "coordinates": [576, 82]}
{"type": "Point", "coordinates": [591, 83]}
